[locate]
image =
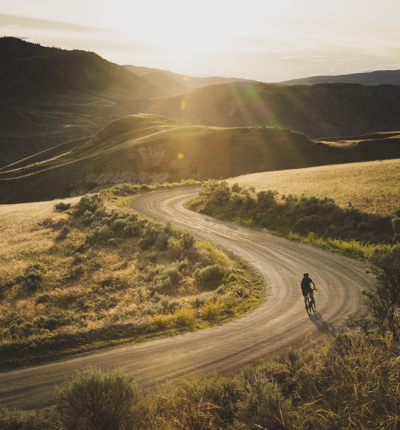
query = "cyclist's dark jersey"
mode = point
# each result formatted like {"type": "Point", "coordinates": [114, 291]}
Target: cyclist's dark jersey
{"type": "Point", "coordinates": [306, 285]}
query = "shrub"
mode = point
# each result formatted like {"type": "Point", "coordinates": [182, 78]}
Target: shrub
{"type": "Point", "coordinates": [199, 301]}
{"type": "Point", "coordinates": [43, 298]}
{"type": "Point", "coordinates": [122, 201]}
{"type": "Point", "coordinates": [384, 300]}
{"type": "Point", "coordinates": [63, 232]}
{"type": "Point", "coordinates": [55, 320]}
{"type": "Point", "coordinates": [98, 400]}
{"type": "Point", "coordinates": [118, 224]}
{"type": "Point", "coordinates": [209, 273]}
{"type": "Point", "coordinates": [62, 206]}
{"type": "Point", "coordinates": [188, 182]}
{"type": "Point", "coordinates": [265, 199]}
{"type": "Point", "coordinates": [162, 321]}
{"type": "Point", "coordinates": [34, 275]}
{"type": "Point", "coordinates": [184, 317]}
{"type": "Point", "coordinates": [212, 310]}
{"type": "Point", "coordinates": [236, 188]}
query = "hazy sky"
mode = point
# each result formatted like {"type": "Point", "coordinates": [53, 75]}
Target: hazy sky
{"type": "Point", "coordinates": [265, 40]}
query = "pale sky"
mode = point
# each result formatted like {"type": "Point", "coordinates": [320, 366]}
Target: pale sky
{"type": "Point", "coordinates": [270, 41]}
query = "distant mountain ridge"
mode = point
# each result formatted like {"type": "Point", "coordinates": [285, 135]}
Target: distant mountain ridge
{"type": "Point", "coordinates": [188, 81]}
{"type": "Point", "coordinates": [378, 77]}
{"type": "Point", "coordinates": [324, 110]}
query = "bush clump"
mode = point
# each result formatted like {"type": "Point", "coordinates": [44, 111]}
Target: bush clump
{"type": "Point", "coordinates": [99, 400]}
{"type": "Point", "coordinates": [60, 207]}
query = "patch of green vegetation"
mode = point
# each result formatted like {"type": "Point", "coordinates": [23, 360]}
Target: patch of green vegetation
{"type": "Point", "coordinates": [312, 220]}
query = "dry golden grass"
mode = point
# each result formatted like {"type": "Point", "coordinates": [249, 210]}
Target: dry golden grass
{"type": "Point", "coordinates": [373, 187]}
{"type": "Point", "coordinates": [86, 286]}
{"type": "Point", "coordinates": [26, 229]}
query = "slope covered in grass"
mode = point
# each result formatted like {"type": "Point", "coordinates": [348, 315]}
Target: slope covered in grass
{"type": "Point", "coordinates": [145, 148]}
{"type": "Point", "coordinates": [50, 96]}
{"type": "Point", "coordinates": [372, 187]}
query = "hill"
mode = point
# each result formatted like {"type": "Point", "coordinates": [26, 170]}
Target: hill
{"type": "Point", "coordinates": [318, 110]}
{"type": "Point", "coordinates": [372, 187]}
{"type": "Point", "coordinates": [28, 69]}
{"type": "Point", "coordinates": [188, 81]}
{"type": "Point", "coordinates": [49, 96]}
{"type": "Point", "coordinates": [148, 149]}
{"type": "Point", "coordinates": [378, 77]}
{"type": "Point", "coordinates": [165, 83]}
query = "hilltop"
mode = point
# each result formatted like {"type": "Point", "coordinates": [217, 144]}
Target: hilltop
{"type": "Point", "coordinates": [49, 96]}
{"type": "Point", "coordinates": [28, 69]}
{"type": "Point", "coordinates": [378, 77]}
{"type": "Point", "coordinates": [317, 111]}
{"type": "Point", "coordinates": [187, 81]}
{"type": "Point", "coordinates": [145, 148]}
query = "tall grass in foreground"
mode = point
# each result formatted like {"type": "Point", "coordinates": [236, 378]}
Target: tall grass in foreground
{"type": "Point", "coordinates": [350, 383]}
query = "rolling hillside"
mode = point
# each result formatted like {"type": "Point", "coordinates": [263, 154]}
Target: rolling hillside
{"type": "Point", "coordinates": [317, 111]}
{"type": "Point", "coordinates": [28, 69]}
{"type": "Point", "coordinates": [148, 149]}
{"type": "Point", "coordinates": [373, 187]}
{"type": "Point", "coordinates": [378, 77]}
{"type": "Point", "coordinates": [49, 96]}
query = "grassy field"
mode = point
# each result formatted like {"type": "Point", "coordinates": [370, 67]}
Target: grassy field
{"type": "Point", "coordinates": [97, 275]}
{"type": "Point", "coordinates": [372, 187]}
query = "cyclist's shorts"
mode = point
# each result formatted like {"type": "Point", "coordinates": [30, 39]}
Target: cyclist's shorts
{"type": "Point", "coordinates": [306, 290]}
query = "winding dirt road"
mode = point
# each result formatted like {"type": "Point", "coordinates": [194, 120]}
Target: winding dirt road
{"type": "Point", "coordinates": [278, 324]}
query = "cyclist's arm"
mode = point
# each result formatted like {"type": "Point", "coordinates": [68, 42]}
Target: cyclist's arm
{"type": "Point", "coordinates": [314, 288]}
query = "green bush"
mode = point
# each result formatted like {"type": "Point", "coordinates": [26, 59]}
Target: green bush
{"type": "Point", "coordinates": [212, 310]}
{"type": "Point", "coordinates": [383, 300]}
{"type": "Point", "coordinates": [34, 275]}
{"type": "Point", "coordinates": [211, 273]}
{"type": "Point", "coordinates": [99, 400]}
{"type": "Point", "coordinates": [184, 317]}
{"type": "Point", "coordinates": [62, 206]}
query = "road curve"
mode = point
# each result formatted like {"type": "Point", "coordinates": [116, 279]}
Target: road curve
{"type": "Point", "coordinates": [278, 324]}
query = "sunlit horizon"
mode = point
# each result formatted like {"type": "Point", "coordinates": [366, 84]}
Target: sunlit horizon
{"type": "Point", "coordinates": [261, 40]}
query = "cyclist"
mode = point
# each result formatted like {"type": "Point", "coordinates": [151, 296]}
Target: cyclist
{"type": "Point", "coordinates": [306, 288]}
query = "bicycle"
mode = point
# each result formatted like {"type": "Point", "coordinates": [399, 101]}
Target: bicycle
{"type": "Point", "coordinates": [310, 303]}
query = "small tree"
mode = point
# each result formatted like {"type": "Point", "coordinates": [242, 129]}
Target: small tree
{"type": "Point", "coordinates": [384, 301]}
{"type": "Point", "coordinates": [96, 400]}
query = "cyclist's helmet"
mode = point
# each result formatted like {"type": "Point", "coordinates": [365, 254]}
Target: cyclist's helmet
{"type": "Point", "coordinates": [306, 275]}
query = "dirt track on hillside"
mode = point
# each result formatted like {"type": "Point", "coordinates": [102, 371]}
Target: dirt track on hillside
{"type": "Point", "coordinates": [278, 324]}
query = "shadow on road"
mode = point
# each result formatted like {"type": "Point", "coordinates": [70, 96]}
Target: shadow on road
{"type": "Point", "coordinates": [322, 325]}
